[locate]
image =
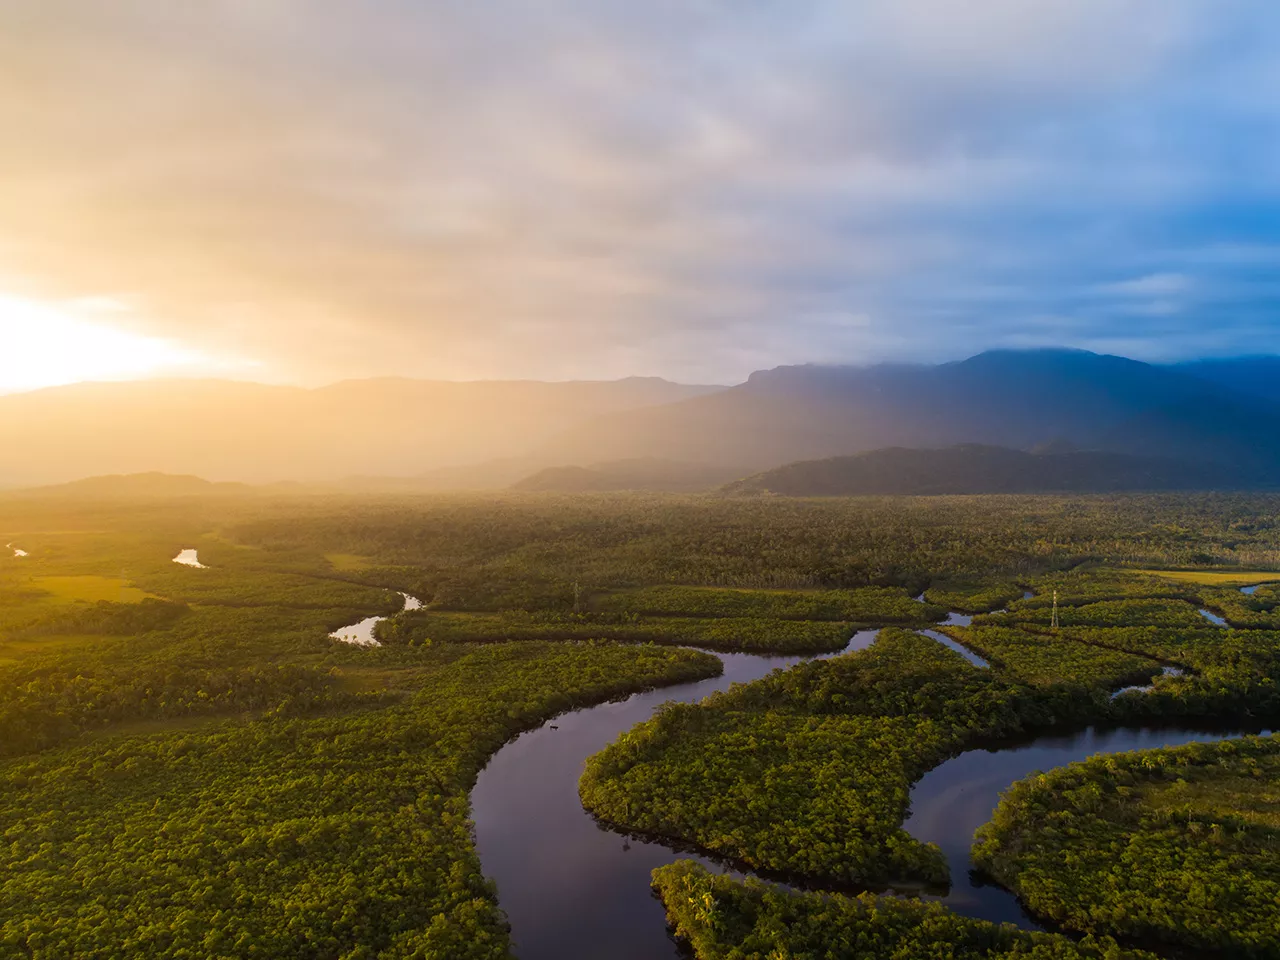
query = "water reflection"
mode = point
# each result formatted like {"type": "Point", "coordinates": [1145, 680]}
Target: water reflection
{"type": "Point", "coordinates": [572, 888]}
{"type": "Point", "coordinates": [189, 558]}
{"type": "Point", "coordinates": [363, 633]}
{"type": "Point", "coordinates": [951, 801]}
{"type": "Point", "coordinates": [1165, 671]}
{"type": "Point", "coordinates": [569, 887]}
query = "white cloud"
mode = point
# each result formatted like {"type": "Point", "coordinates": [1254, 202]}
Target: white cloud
{"type": "Point", "coordinates": [566, 188]}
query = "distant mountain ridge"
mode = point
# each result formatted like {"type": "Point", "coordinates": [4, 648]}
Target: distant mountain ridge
{"type": "Point", "coordinates": [1014, 399]}
{"type": "Point", "coordinates": [406, 435]}
{"type": "Point", "coordinates": [978, 469]}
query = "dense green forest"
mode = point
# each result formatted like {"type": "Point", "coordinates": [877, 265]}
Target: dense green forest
{"type": "Point", "coordinates": [1175, 846]}
{"type": "Point", "coordinates": [193, 767]}
{"type": "Point", "coordinates": [808, 771]}
{"type": "Point", "coordinates": [339, 833]}
{"type": "Point", "coordinates": [724, 920]}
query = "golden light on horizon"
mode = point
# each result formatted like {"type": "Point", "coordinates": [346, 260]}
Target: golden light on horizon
{"type": "Point", "coordinates": [45, 345]}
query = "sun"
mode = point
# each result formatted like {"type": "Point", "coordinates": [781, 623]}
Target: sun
{"type": "Point", "coordinates": [44, 345]}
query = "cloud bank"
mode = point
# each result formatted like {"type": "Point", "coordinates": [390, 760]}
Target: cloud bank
{"type": "Point", "coordinates": [593, 188]}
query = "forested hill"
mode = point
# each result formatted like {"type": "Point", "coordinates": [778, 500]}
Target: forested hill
{"type": "Point", "coordinates": [1017, 399]}
{"type": "Point", "coordinates": [971, 468]}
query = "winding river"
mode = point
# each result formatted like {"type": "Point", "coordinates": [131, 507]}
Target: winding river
{"type": "Point", "coordinates": [570, 888]}
{"type": "Point", "coordinates": [573, 889]}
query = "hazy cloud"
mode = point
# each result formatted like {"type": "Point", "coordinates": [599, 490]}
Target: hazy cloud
{"type": "Point", "coordinates": [587, 188]}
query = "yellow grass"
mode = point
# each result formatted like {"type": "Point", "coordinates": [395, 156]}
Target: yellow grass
{"type": "Point", "coordinates": [1217, 578]}
{"type": "Point", "coordinates": [91, 589]}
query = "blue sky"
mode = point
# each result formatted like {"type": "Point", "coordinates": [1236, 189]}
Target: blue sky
{"type": "Point", "coordinates": [309, 189]}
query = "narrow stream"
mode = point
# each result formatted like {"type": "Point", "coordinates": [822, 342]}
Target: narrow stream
{"type": "Point", "coordinates": [957, 620]}
{"type": "Point", "coordinates": [573, 889]}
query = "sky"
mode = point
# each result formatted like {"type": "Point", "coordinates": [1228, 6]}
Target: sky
{"type": "Point", "coordinates": [311, 190]}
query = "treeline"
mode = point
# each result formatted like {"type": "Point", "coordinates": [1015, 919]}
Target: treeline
{"type": "Point", "coordinates": [720, 919]}
{"type": "Point", "coordinates": [751, 634]}
{"type": "Point", "coordinates": [47, 705]}
{"type": "Point", "coordinates": [1174, 846]}
{"type": "Point", "coordinates": [106, 618]}
{"type": "Point", "coordinates": [527, 552]}
{"type": "Point", "coordinates": [1133, 612]}
{"type": "Point", "coordinates": [882, 605]}
{"type": "Point", "coordinates": [974, 597]}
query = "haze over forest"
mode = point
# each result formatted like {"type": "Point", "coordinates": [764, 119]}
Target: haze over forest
{"type": "Point", "coordinates": [1215, 423]}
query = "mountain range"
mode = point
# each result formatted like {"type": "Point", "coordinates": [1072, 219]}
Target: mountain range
{"type": "Point", "coordinates": [974, 469]}
{"type": "Point", "coordinates": [1015, 399]}
{"type": "Point", "coordinates": [1220, 415]}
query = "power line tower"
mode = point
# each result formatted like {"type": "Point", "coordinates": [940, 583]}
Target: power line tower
{"type": "Point", "coordinates": [1055, 609]}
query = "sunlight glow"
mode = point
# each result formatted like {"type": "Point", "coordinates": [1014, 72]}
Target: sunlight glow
{"type": "Point", "coordinates": [45, 345]}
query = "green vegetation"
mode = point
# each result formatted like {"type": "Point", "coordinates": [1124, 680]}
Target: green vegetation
{"type": "Point", "coordinates": [882, 605]}
{"type": "Point", "coordinates": [89, 588]}
{"type": "Point", "coordinates": [1132, 612]}
{"type": "Point", "coordinates": [339, 835]}
{"type": "Point", "coordinates": [538, 547]}
{"type": "Point", "coordinates": [971, 468]}
{"type": "Point", "coordinates": [1216, 578]}
{"type": "Point", "coordinates": [1261, 611]}
{"type": "Point", "coordinates": [1049, 658]}
{"type": "Point", "coordinates": [808, 771]}
{"type": "Point", "coordinates": [973, 597]}
{"type": "Point", "coordinates": [1086, 585]}
{"type": "Point", "coordinates": [724, 920]}
{"type": "Point", "coordinates": [754, 634]}
{"type": "Point", "coordinates": [189, 765]}
{"type": "Point", "coordinates": [1175, 846]}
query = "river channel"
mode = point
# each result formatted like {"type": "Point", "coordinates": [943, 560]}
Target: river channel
{"type": "Point", "coordinates": [574, 890]}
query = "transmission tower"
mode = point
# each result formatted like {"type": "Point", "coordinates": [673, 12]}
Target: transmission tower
{"type": "Point", "coordinates": [1055, 609]}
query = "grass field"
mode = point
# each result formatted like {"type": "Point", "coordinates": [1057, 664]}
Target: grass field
{"type": "Point", "coordinates": [1216, 578]}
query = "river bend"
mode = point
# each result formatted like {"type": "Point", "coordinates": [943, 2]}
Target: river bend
{"type": "Point", "coordinates": [573, 889]}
